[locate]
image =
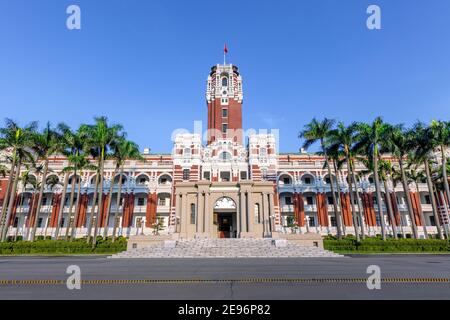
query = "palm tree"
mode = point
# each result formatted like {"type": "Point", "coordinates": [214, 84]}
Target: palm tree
{"type": "Point", "coordinates": [100, 137]}
{"type": "Point", "coordinates": [385, 167]}
{"type": "Point", "coordinates": [45, 144]}
{"type": "Point", "coordinates": [19, 141]}
{"type": "Point", "coordinates": [440, 132]}
{"type": "Point", "coordinates": [318, 131]}
{"type": "Point", "coordinates": [73, 149]}
{"type": "Point", "coordinates": [369, 139]}
{"type": "Point", "coordinates": [423, 152]}
{"type": "Point", "coordinates": [79, 164]}
{"type": "Point", "coordinates": [400, 143]}
{"type": "Point", "coordinates": [121, 152]}
{"type": "Point", "coordinates": [343, 138]}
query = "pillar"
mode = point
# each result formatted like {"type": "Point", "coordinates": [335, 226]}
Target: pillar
{"type": "Point", "coordinates": [150, 214]}
{"type": "Point", "coordinates": [243, 211]}
{"type": "Point", "coordinates": [250, 213]}
{"type": "Point", "coordinates": [265, 215]}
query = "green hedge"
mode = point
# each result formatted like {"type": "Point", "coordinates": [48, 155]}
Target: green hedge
{"type": "Point", "coordinates": [78, 246]}
{"type": "Point", "coordinates": [390, 245]}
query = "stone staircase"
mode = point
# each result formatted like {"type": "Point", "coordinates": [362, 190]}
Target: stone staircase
{"type": "Point", "coordinates": [227, 248]}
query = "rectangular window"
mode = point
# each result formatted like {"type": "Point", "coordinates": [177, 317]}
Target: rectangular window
{"type": "Point", "coordinates": [263, 152]}
{"type": "Point", "coordinates": [44, 201]}
{"type": "Point", "coordinates": [432, 221]}
{"type": "Point", "coordinates": [224, 113]}
{"type": "Point", "coordinates": [16, 222]}
{"type": "Point", "coordinates": [307, 180]}
{"type": "Point", "coordinates": [192, 213]}
{"type": "Point", "coordinates": [161, 202]}
{"type": "Point", "coordinates": [309, 201]}
{"type": "Point", "coordinates": [288, 200]}
{"type": "Point", "coordinates": [207, 175]}
{"type": "Point", "coordinates": [333, 221]}
{"type": "Point", "coordinates": [243, 175]}
{"type": "Point", "coordinates": [312, 221]}
{"type": "Point", "coordinates": [141, 202]}
{"type": "Point", "coordinates": [225, 176]}
{"type": "Point", "coordinates": [186, 174]}
{"type": "Point", "coordinates": [63, 220]}
{"type": "Point", "coordinates": [224, 128]}
{"type": "Point", "coordinates": [427, 199]}
{"type": "Point", "coordinates": [330, 200]}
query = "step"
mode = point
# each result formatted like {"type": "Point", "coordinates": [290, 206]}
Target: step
{"type": "Point", "coordinates": [226, 248]}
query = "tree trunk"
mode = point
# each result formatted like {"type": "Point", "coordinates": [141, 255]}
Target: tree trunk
{"type": "Point", "coordinates": [39, 203]}
{"type": "Point", "coordinates": [378, 191]}
{"type": "Point", "coordinates": [20, 204]}
{"type": "Point", "coordinates": [94, 202]}
{"type": "Point", "coordinates": [119, 195]}
{"type": "Point", "coordinates": [408, 199]}
{"type": "Point", "coordinates": [12, 197]}
{"type": "Point", "coordinates": [61, 207]}
{"type": "Point", "coordinates": [77, 211]}
{"type": "Point", "coordinates": [352, 199]}
{"type": "Point", "coordinates": [7, 194]}
{"type": "Point", "coordinates": [361, 218]}
{"type": "Point", "coordinates": [390, 208]}
{"type": "Point", "coordinates": [335, 207]}
{"type": "Point", "coordinates": [100, 203]}
{"type": "Point", "coordinates": [72, 195]}
{"type": "Point", "coordinates": [336, 172]}
{"type": "Point", "coordinates": [433, 199]}
{"type": "Point", "coordinates": [422, 217]}
{"type": "Point", "coordinates": [444, 175]}
{"type": "Point", "coordinates": [108, 209]}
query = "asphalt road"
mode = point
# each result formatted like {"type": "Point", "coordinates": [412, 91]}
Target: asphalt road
{"type": "Point", "coordinates": [404, 277]}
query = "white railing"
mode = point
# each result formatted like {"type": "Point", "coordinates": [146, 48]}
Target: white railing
{"type": "Point", "coordinates": [287, 208]}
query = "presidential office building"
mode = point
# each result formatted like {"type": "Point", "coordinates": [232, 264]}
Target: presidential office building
{"type": "Point", "coordinates": [227, 188]}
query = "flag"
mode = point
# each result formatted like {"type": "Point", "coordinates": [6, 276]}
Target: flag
{"type": "Point", "coordinates": [225, 49]}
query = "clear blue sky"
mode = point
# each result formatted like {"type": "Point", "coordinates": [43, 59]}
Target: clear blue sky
{"type": "Point", "coordinates": [144, 63]}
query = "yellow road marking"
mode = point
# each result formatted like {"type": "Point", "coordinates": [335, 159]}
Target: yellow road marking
{"type": "Point", "coordinates": [201, 281]}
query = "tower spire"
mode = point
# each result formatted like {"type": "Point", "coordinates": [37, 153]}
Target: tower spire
{"type": "Point", "coordinates": [225, 51]}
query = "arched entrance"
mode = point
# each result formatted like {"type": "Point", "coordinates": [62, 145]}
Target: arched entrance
{"type": "Point", "coordinates": [225, 218]}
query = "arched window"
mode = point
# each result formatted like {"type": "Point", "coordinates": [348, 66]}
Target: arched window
{"type": "Point", "coordinates": [224, 82]}
{"type": "Point", "coordinates": [257, 215]}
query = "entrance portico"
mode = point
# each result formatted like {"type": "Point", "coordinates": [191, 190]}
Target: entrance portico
{"type": "Point", "coordinates": [207, 209]}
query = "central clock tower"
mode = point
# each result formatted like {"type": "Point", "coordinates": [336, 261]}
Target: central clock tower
{"type": "Point", "coordinates": [224, 100]}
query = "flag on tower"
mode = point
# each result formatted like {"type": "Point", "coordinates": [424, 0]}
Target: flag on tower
{"type": "Point", "coordinates": [225, 49]}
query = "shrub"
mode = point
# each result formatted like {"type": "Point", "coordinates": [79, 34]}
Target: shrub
{"type": "Point", "coordinates": [77, 246]}
{"type": "Point", "coordinates": [390, 245]}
